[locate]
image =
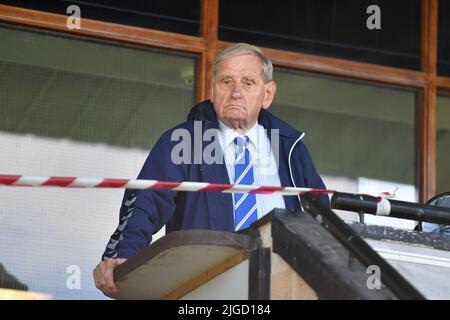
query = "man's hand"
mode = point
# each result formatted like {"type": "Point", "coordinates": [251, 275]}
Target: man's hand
{"type": "Point", "coordinates": [104, 275]}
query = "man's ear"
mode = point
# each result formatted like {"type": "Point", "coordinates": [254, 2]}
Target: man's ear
{"type": "Point", "coordinates": [269, 93]}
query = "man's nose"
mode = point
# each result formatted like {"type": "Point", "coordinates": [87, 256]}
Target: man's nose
{"type": "Point", "coordinates": [236, 90]}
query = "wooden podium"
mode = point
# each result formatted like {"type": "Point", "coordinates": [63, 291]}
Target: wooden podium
{"type": "Point", "coordinates": [285, 255]}
{"type": "Point", "coordinates": [196, 264]}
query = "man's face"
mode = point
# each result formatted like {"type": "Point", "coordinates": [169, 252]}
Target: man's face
{"type": "Point", "coordinates": [239, 91]}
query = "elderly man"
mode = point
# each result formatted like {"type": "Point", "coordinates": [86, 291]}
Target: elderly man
{"type": "Point", "coordinates": [251, 147]}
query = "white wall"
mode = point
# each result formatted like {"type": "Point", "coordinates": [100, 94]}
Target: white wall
{"type": "Point", "coordinates": [46, 230]}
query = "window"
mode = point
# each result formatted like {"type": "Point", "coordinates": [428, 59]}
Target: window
{"type": "Point", "coordinates": [444, 38]}
{"type": "Point", "coordinates": [174, 16]}
{"type": "Point", "coordinates": [356, 132]}
{"type": "Point", "coordinates": [443, 144]}
{"type": "Point", "coordinates": [91, 91]}
{"type": "Point", "coordinates": [328, 27]}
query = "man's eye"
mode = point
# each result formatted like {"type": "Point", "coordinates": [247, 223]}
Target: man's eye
{"type": "Point", "coordinates": [226, 81]}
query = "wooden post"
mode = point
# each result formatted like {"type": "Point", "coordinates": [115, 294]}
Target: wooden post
{"type": "Point", "coordinates": [209, 26]}
{"type": "Point", "coordinates": [427, 101]}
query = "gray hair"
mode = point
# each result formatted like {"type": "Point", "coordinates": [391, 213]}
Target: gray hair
{"type": "Point", "coordinates": [244, 48]}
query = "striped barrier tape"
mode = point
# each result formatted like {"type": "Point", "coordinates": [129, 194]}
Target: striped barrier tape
{"type": "Point", "coordinates": [75, 182]}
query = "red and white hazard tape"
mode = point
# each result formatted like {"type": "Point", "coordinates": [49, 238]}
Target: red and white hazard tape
{"type": "Point", "coordinates": [71, 182]}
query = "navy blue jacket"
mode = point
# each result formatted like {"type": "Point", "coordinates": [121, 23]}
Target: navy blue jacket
{"type": "Point", "coordinates": [145, 212]}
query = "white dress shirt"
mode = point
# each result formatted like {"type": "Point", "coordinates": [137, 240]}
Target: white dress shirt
{"type": "Point", "coordinates": [265, 170]}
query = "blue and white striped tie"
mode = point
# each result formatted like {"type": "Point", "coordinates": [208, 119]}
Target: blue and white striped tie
{"type": "Point", "coordinates": [245, 212]}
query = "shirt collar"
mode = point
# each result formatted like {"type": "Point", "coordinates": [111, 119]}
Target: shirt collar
{"type": "Point", "coordinates": [230, 134]}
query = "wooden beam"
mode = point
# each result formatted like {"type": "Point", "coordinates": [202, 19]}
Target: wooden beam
{"type": "Point", "coordinates": [443, 83]}
{"type": "Point", "coordinates": [343, 68]}
{"type": "Point", "coordinates": [427, 101]}
{"type": "Point", "coordinates": [102, 30]}
{"type": "Point", "coordinates": [209, 26]}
